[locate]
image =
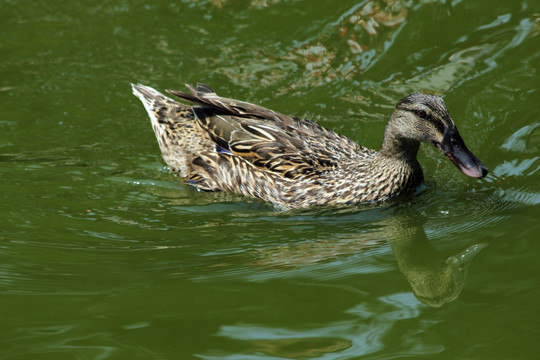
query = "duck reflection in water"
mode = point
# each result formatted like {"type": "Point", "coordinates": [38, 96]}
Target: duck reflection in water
{"type": "Point", "coordinates": [436, 277]}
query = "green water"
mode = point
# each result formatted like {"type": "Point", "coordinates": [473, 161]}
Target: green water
{"type": "Point", "coordinates": [106, 255]}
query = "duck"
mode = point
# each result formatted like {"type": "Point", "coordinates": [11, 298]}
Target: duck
{"type": "Point", "coordinates": [222, 144]}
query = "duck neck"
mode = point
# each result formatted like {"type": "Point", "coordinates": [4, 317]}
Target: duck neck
{"type": "Point", "coordinates": [399, 148]}
{"type": "Point", "coordinates": [400, 154]}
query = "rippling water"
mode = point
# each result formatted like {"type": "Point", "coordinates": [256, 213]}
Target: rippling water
{"type": "Point", "coordinates": [106, 255]}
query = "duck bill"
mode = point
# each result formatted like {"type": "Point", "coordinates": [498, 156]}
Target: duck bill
{"type": "Point", "coordinates": [456, 150]}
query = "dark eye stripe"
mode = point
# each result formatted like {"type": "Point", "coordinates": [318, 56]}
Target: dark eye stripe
{"type": "Point", "coordinates": [438, 124]}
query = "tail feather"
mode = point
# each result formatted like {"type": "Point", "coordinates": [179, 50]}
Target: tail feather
{"type": "Point", "coordinates": [150, 98]}
{"type": "Point", "coordinates": [175, 128]}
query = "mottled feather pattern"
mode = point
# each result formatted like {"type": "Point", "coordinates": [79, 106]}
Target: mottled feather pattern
{"type": "Point", "coordinates": [222, 144]}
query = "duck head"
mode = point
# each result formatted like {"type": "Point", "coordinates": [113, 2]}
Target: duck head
{"type": "Point", "coordinates": [425, 118]}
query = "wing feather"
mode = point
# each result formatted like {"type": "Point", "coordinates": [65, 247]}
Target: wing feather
{"type": "Point", "coordinates": [267, 139]}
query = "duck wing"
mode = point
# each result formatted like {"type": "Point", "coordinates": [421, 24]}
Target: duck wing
{"type": "Point", "coordinates": [282, 144]}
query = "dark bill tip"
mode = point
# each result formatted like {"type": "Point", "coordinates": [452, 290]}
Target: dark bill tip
{"type": "Point", "coordinates": [479, 171]}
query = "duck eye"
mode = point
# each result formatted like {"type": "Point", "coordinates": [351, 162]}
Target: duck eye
{"type": "Point", "coordinates": [421, 113]}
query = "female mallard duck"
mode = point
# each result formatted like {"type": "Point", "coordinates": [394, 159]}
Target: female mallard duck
{"type": "Point", "coordinates": [223, 144]}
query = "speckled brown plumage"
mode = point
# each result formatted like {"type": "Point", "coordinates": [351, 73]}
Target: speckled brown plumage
{"type": "Point", "coordinates": [222, 144]}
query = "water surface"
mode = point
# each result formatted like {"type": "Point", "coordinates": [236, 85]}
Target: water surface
{"type": "Point", "coordinates": [106, 255]}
